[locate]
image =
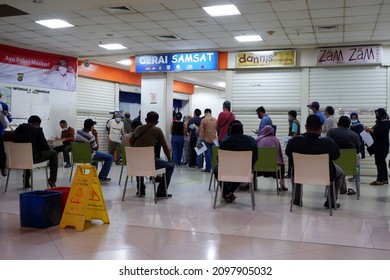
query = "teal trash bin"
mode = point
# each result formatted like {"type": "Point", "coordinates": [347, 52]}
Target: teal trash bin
{"type": "Point", "coordinates": [40, 209]}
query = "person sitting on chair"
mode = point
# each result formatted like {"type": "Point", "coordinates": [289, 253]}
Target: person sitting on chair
{"type": "Point", "coordinates": [90, 135]}
{"type": "Point", "coordinates": [236, 141]}
{"type": "Point", "coordinates": [32, 132]}
{"type": "Point", "coordinates": [148, 135]}
{"type": "Point", "coordinates": [67, 136]}
{"type": "Point", "coordinates": [312, 144]}
{"type": "Point", "coordinates": [267, 138]}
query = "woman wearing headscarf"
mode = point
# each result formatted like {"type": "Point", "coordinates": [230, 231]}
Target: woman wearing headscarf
{"type": "Point", "coordinates": [268, 139]}
{"type": "Point", "coordinates": [357, 127]}
{"type": "Point", "coordinates": [380, 147]}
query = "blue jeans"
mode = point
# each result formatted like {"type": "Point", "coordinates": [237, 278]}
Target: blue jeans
{"type": "Point", "coordinates": [177, 142]}
{"type": "Point", "coordinates": [208, 156]}
{"type": "Point", "coordinates": [107, 162]}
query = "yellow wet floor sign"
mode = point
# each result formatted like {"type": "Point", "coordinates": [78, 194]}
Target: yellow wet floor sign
{"type": "Point", "coordinates": [85, 201]}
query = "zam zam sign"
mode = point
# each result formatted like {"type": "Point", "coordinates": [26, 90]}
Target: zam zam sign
{"type": "Point", "coordinates": [349, 55]}
{"type": "Point", "coordinates": [199, 61]}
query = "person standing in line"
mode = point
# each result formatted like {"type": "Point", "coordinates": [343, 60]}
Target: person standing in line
{"type": "Point", "coordinates": [208, 134]}
{"type": "Point", "coordinates": [89, 134]}
{"type": "Point", "coordinates": [193, 130]}
{"type": "Point", "coordinates": [127, 123]}
{"type": "Point", "coordinates": [116, 130]}
{"type": "Point", "coordinates": [224, 120]}
{"type": "Point", "coordinates": [186, 149]}
{"type": "Point", "coordinates": [357, 127]}
{"type": "Point", "coordinates": [294, 129]}
{"type": "Point", "coordinates": [5, 119]}
{"type": "Point", "coordinates": [67, 137]}
{"type": "Point", "coordinates": [265, 119]}
{"type": "Point", "coordinates": [315, 107]}
{"type": "Point", "coordinates": [380, 147]}
{"type": "Point", "coordinates": [330, 121]}
{"type": "Point", "coordinates": [177, 140]}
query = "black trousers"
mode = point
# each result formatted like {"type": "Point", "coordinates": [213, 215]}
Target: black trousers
{"type": "Point", "coordinates": [42, 156]}
{"type": "Point", "coordinates": [381, 167]}
{"type": "Point", "coordinates": [65, 149]}
{"type": "Point", "coordinates": [193, 155]}
{"type": "Point", "coordinates": [3, 155]}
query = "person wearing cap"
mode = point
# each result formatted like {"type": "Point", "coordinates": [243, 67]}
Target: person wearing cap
{"type": "Point", "coordinates": [148, 135]}
{"type": "Point", "coordinates": [224, 120]}
{"type": "Point", "coordinates": [32, 132]}
{"type": "Point", "coordinates": [89, 134]}
{"type": "Point", "coordinates": [265, 119]}
{"type": "Point", "coordinates": [380, 147]}
{"type": "Point", "coordinates": [315, 107]}
{"type": "Point", "coordinates": [311, 143]}
{"type": "Point", "coordinates": [236, 140]}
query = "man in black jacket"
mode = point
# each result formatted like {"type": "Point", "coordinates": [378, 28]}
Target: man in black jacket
{"type": "Point", "coordinates": [31, 132]}
{"type": "Point", "coordinates": [236, 141]}
{"type": "Point", "coordinates": [312, 144]}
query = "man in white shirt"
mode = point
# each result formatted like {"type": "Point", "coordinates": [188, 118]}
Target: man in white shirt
{"type": "Point", "coordinates": [116, 130]}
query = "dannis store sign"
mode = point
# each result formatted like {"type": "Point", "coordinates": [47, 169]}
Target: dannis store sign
{"type": "Point", "coordinates": [349, 55]}
{"type": "Point", "coordinates": [199, 61]}
{"type": "Point", "coordinates": [277, 58]}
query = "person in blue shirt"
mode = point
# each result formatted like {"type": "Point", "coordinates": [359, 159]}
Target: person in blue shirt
{"type": "Point", "coordinates": [265, 119]}
{"type": "Point", "coordinates": [315, 107]}
{"type": "Point", "coordinates": [5, 119]}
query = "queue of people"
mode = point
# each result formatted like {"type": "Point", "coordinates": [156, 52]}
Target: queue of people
{"type": "Point", "coordinates": [324, 134]}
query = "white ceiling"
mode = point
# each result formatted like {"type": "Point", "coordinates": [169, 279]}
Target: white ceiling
{"type": "Point", "coordinates": [294, 24]}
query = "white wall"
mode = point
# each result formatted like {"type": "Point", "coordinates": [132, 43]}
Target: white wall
{"type": "Point", "coordinates": [204, 98]}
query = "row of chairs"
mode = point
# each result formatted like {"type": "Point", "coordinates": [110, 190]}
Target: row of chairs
{"type": "Point", "coordinates": [308, 169]}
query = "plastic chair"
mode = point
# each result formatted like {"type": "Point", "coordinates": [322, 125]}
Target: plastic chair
{"type": "Point", "coordinates": [312, 170]}
{"type": "Point", "coordinates": [141, 162]}
{"type": "Point", "coordinates": [267, 161]}
{"type": "Point", "coordinates": [81, 153]}
{"type": "Point", "coordinates": [348, 162]}
{"type": "Point", "coordinates": [124, 161]}
{"type": "Point", "coordinates": [214, 163]}
{"type": "Point", "coordinates": [240, 171]}
{"type": "Point", "coordinates": [20, 156]}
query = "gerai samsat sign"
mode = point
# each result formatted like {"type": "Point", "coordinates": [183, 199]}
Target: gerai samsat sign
{"type": "Point", "coordinates": [349, 55]}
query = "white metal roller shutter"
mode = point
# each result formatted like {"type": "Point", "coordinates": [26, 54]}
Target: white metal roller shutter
{"type": "Point", "coordinates": [95, 100]}
{"type": "Point", "coordinates": [277, 90]}
{"type": "Point", "coordinates": [347, 89]}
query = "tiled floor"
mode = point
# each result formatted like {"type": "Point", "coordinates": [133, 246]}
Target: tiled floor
{"type": "Point", "coordinates": [187, 227]}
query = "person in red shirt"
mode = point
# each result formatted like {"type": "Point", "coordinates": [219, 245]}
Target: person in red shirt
{"type": "Point", "coordinates": [224, 120]}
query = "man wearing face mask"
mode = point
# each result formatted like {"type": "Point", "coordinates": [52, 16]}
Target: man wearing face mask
{"type": "Point", "coordinates": [116, 130]}
{"type": "Point", "coordinates": [61, 76]}
{"type": "Point", "coordinates": [380, 147]}
{"type": "Point", "coordinates": [67, 137]}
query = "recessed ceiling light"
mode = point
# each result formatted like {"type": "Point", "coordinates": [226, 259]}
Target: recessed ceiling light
{"type": "Point", "coordinates": [249, 38]}
{"type": "Point", "coordinates": [113, 46]}
{"type": "Point", "coordinates": [54, 23]}
{"type": "Point", "coordinates": [222, 10]}
{"type": "Point", "coordinates": [126, 62]}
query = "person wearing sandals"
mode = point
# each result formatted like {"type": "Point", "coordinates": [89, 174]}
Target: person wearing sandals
{"type": "Point", "coordinates": [268, 139]}
{"type": "Point", "coordinates": [380, 147]}
{"type": "Point", "coordinates": [32, 132]}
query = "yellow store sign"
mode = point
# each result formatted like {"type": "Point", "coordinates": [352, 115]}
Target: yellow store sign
{"type": "Point", "coordinates": [278, 58]}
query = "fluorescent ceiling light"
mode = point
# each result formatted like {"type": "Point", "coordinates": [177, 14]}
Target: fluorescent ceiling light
{"type": "Point", "coordinates": [54, 23]}
{"type": "Point", "coordinates": [126, 62]}
{"type": "Point", "coordinates": [222, 10]}
{"type": "Point", "coordinates": [249, 38]}
{"type": "Point", "coordinates": [113, 46]}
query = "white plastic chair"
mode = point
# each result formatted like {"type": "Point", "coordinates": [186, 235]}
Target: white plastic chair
{"type": "Point", "coordinates": [235, 166]}
{"type": "Point", "coordinates": [312, 170]}
{"type": "Point", "coordinates": [141, 162]}
{"type": "Point", "coordinates": [20, 156]}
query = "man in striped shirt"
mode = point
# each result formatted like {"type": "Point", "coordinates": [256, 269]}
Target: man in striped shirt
{"type": "Point", "coordinates": [89, 135]}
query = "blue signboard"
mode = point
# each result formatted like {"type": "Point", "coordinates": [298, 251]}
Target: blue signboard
{"type": "Point", "coordinates": [179, 62]}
